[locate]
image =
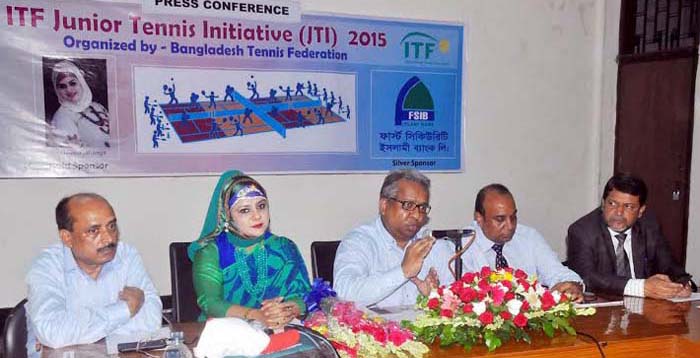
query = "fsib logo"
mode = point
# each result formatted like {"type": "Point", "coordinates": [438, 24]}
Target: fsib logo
{"type": "Point", "coordinates": [421, 47]}
{"type": "Point", "coordinates": [414, 103]}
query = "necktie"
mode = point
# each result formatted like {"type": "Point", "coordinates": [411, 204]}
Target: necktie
{"type": "Point", "coordinates": [501, 261]}
{"type": "Point", "coordinates": [622, 262]}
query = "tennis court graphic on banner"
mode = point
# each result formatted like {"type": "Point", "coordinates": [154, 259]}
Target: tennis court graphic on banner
{"type": "Point", "coordinates": [107, 89]}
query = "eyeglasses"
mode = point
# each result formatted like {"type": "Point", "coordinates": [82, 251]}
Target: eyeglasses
{"type": "Point", "coordinates": [411, 205]}
{"type": "Point", "coordinates": [611, 204]}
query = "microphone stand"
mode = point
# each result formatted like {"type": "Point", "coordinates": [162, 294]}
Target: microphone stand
{"type": "Point", "coordinates": [455, 237]}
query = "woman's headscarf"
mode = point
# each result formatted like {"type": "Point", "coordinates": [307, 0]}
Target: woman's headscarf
{"type": "Point", "coordinates": [67, 67]}
{"type": "Point", "coordinates": [224, 196]}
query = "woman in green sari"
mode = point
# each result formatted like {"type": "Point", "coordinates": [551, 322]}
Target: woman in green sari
{"type": "Point", "coordinates": [240, 268]}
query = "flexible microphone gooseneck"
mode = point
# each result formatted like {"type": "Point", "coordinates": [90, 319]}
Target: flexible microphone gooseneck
{"type": "Point", "coordinates": [456, 236]}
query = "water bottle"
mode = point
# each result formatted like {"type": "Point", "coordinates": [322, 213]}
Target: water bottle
{"type": "Point", "coordinates": [176, 347]}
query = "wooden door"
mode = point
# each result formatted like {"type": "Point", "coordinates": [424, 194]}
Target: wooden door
{"type": "Point", "coordinates": [654, 134]}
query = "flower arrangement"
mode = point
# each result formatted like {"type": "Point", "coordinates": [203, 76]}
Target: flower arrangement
{"type": "Point", "coordinates": [355, 334]}
{"type": "Point", "coordinates": [352, 332]}
{"type": "Point", "coordinates": [492, 307]}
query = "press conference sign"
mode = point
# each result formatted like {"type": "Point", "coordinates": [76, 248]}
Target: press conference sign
{"type": "Point", "coordinates": [264, 10]}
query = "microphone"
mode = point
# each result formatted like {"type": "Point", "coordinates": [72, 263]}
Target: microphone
{"type": "Point", "coordinates": [451, 234]}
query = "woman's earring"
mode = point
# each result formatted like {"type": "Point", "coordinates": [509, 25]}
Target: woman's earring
{"type": "Point", "coordinates": [226, 226]}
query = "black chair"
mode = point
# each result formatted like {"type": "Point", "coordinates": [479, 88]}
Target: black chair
{"type": "Point", "coordinates": [322, 259]}
{"type": "Point", "coordinates": [185, 308]}
{"type": "Point", "coordinates": [15, 341]}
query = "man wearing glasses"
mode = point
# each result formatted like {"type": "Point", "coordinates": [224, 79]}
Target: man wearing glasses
{"type": "Point", "coordinates": [90, 285]}
{"type": "Point", "coordinates": [618, 248]}
{"type": "Point", "coordinates": [389, 262]}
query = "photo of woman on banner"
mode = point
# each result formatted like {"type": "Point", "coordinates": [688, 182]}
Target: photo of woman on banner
{"type": "Point", "coordinates": [75, 118]}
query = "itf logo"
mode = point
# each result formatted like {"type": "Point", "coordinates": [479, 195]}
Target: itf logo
{"type": "Point", "coordinates": [414, 103]}
{"type": "Point", "coordinates": [421, 47]}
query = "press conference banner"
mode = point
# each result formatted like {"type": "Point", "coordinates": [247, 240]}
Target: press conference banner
{"type": "Point", "coordinates": [113, 89]}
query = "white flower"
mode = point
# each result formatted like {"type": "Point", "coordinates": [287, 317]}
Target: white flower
{"type": "Point", "coordinates": [539, 289]}
{"type": "Point", "coordinates": [479, 308]}
{"type": "Point", "coordinates": [514, 306]}
{"type": "Point", "coordinates": [532, 298]}
{"type": "Point", "coordinates": [433, 294]}
{"type": "Point", "coordinates": [556, 295]}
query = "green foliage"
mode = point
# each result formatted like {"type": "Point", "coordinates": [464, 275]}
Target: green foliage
{"type": "Point", "coordinates": [424, 334]}
{"type": "Point", "coordinates": [548, 328]}
{"type": "Point", "coordinates": [492, 341]}
{"type": "Point", "coordinates": [565, 326]}
{"type": "Point", "coordinates": [447, 337]}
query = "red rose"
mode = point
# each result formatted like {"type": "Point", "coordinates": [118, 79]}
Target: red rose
{"type": "Point", "coordinates": [547, 300]}
{"type": "Point", "coordinates": [520, 274]}
{"type": "Point", "coordinates": [433, 303]}
{"type": "Point", "coordinates": [379, 335]}
{"type": "Point", "coordinates": [481, 295]}
{"type": "Point", "coordinates": [525, 306]}
{"type": "Point", "coordinates": [520, 320]}
{"type": "Point", "coordinates": [468, 277]}
{"type": "Point", "coordinates": [509, 296]}
{"type": "Point", "coordinates": [456, 288]}
{"type": "Point", "coordinates": [506, 315]}
{"type": "Point", "coordinates": [486, 317]}
{"type": "Point", "coordinates": [467, 294]}
{"type": "Point", "coordinates": [439, 291]}
{"type": "Point", "coordinates": [468, 308]}
{"type": "Point", "coordinates": [498, 296]}
{"type": "Point", "coordinates": [447, 313]}
{"type": "Point", "coordinates": [507, 284]}
{"type": "Point", "coordinates": [484, 284]}
{"type": "Point", "coordinates": [397, 337]}
{"type": "Point", "coordinates": [485, 271]}
{"type": "Point", "coordinates": [564, 297]}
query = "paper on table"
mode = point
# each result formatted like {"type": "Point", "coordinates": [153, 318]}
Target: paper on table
{"type": "Point", "coordinates": [693, 297]}
{"type": "Point", "coordinates": [598, 304]}
{"type": "Point", "coordinates": [396, 313]}
{"type": "Point", "coordinates": [114, 339]}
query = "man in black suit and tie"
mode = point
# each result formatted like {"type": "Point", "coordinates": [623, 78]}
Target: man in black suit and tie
{"type": "Point", "coordinates": [600, 245]}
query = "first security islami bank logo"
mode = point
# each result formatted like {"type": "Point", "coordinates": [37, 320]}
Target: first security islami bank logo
{"type": "Point", "coordinates": [419, 47]}
{"type": "Point", "coordinates": [414, 103]}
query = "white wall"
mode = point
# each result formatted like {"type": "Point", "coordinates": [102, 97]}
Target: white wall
{"type": "Point", "coordinates": [533, 93]}
{"type": "Point", "coordinates": [692, 263]}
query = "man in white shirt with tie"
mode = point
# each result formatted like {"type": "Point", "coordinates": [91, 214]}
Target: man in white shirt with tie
{"type": "Point", "coordinates": [501, 242]}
